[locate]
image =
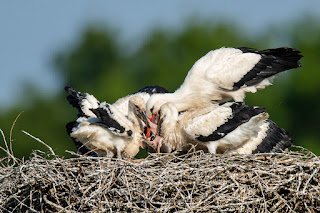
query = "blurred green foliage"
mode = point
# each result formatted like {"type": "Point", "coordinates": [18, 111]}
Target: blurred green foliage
{"type": "Point", "coordinates": [99, 64]}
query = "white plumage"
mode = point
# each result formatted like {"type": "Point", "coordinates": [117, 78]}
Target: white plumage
{"type": "Point", "coordinates": [192, 114]}
{"type": "Point", "coordinates": [108, 130]}
{"type": "Point", "coordinates": [227, 73]}
{"type": "Point", "coordinates": [226, 128]}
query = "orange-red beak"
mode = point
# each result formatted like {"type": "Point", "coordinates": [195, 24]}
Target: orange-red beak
{"type": "Point", "coordinates": [148, 129]}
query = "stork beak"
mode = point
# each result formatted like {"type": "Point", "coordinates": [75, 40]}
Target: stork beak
{"type": "Point", "coordinates": [148, 127]}
{"type": "Point", "coordinates": [154, 118]}
{"type": "Point", "coordinates": [141, 115]}
{"type": "Point", "coordinates": [159, 122]}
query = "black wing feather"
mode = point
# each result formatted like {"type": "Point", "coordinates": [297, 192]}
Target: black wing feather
{"type": "Point", "coordinates": [277, 140]}
{"type": "Point", "coordinates": [75, 98]}
{"type": "Point", "coordinates": [272, 61]}
{"type": "Point", "coordinates": [106, 120]}
{"type": "Point", "coordinates": [153, 89]}
{"type": "Point", "coordinates": [240, 114]}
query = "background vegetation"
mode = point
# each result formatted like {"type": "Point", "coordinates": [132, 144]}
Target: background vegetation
{"type": "Point", "coordinates": [101, 64]}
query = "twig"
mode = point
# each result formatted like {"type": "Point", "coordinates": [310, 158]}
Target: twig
{"type": "Point", "coordinates": [61, 209]}
{"type": "Point", "coordinates": [11, 130]}
{"type": "Point", "coordinates": [185, 183]}
{"type": "Point", "coordinates": [307, 183]}
{"type": "Point", "coordinates": [7, 150]}
{"type": "Point", "coordinates": [37, 139]}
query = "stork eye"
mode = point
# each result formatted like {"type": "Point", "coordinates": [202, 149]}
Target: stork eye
{"type": "Point", "coordinates": [129, 132]}
{"type": "Point", "coordinates": [152, 137]}
{"type": "Point", "coordinates": [151, 110]}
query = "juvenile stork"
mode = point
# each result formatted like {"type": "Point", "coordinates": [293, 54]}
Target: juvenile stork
{"type": "Point", "coordinates": [227, 73]}
{"type": "Point", "coordinates": [110, 130]}
{"type": "Point", "coordinates": [230, 127]}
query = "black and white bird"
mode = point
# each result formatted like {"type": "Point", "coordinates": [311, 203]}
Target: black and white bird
{"type": "Point", "coordinates": [230, 127]}
{"type": "Point", "coordinates": [110, 130]}
{"type": "Point", "coordinates": [227, 73]}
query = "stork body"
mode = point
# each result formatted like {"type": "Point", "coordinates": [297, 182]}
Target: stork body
{"type": "Point", "coordinates": [108, 129]}
{"type": "Point", "coordinates": [230, 127]}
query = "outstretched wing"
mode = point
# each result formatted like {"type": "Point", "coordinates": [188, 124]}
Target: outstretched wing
{"type": "Point", "coordinates": [83, 102]}
{"type": "Point", "coordinates": [272, 62]}
{"type": "Point", "coordinates": [233, 68]}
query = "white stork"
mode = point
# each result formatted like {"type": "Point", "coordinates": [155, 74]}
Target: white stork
{"type": "Point", "coordinates": [108, 129]}
{"type": "Point", "coordinates": [230, 127]}
{"type": "Point", "coordinates": [227, 73]}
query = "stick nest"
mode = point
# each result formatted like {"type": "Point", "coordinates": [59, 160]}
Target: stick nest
{"type": "Point", "coordinates": [194, 182]}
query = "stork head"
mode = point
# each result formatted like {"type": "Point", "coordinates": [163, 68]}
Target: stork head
{"type": "Point", "coordinates": [137, 108]}
{"type": "Point", "coordinates": [168, 110]}
{"type": "Point", "coordinates": [137, 101]}
{"type": "Point", "coordinates": [154, 103]}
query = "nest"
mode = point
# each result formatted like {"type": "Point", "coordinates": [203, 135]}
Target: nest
{"type": "Point", "coordinates": [194, 182]}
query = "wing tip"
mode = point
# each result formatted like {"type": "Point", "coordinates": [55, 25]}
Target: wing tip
{"type": "Point", "coordinates": [277, 139]}
{"type": "Point", "coordinates": [272, 62]}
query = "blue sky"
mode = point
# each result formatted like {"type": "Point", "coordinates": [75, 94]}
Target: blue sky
{"type": "Point", "coordinates": [33, 31]}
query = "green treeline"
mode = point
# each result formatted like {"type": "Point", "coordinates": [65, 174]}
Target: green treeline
{"type": "Point", "coordinates": [100, 63]}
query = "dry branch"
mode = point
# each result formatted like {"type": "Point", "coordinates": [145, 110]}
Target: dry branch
{"type": "Point", "coordinates": [195, 182]}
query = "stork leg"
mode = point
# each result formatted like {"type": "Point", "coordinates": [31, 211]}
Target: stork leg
{"type": "Point", "coordinates": [159, 144]}
{"type": "Point", "coordinates": [109, 155]}
{"type": "Point", "coordinates": [119, 156]}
